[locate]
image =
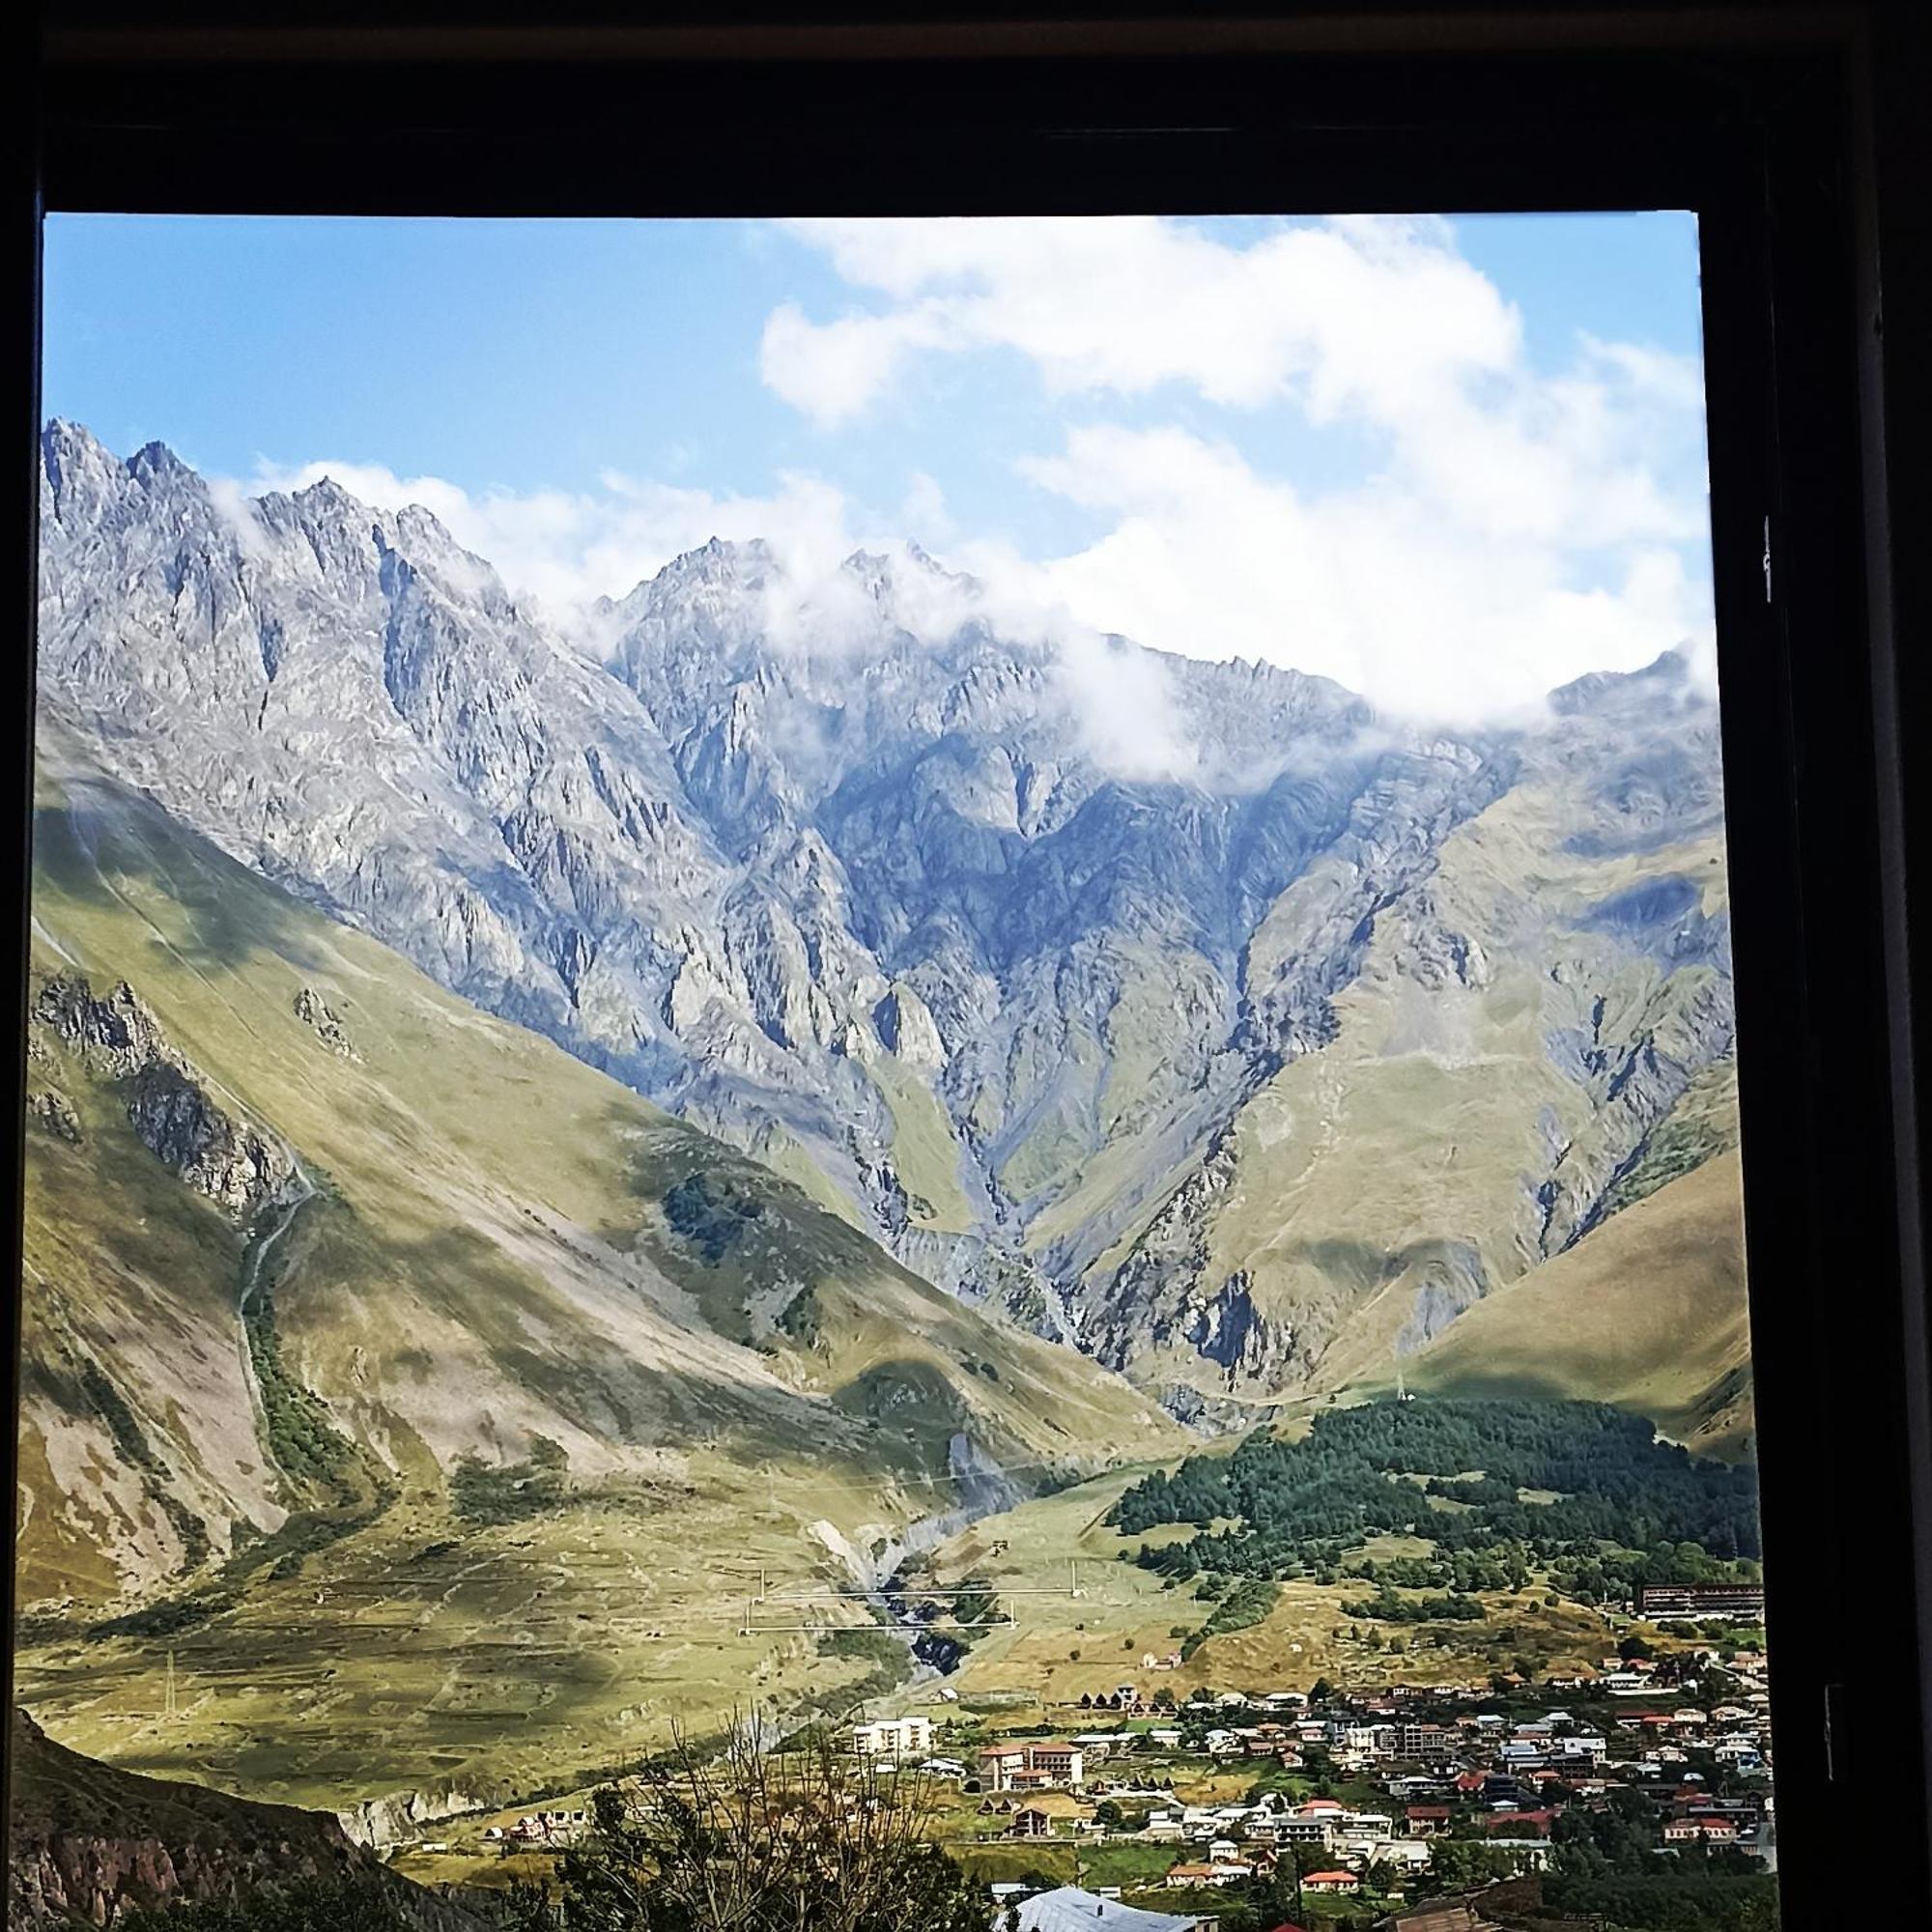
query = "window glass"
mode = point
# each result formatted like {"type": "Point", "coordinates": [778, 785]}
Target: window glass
{"type": "Point", "coordinates": [882, 1073]}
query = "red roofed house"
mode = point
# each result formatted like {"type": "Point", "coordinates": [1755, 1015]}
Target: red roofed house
{"type": "Point", "coordinates": [1191, 1877]}
{"type": "Point", "coordinates": [1343, 1882]}
{"type": "Point", "coordinates": [1519, 1823]}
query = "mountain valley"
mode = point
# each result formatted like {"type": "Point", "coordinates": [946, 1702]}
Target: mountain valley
{"type": "Point", "coordinates": [1243, 1064]}
{"type": "Point", "coordinates": [560, 1161]}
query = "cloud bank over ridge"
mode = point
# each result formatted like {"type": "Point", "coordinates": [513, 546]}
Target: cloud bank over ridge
{"type": "Point", "coordinates": [1490, 529]}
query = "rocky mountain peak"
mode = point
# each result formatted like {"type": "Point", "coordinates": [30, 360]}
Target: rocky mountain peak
{"type": "Point", "coordinates": [79, 474]}
{"type": "Point", "coordinates": [719, 564]}
{"type": "Point", "coordinates": [155, 463]}
{"type": "Point", "coordinates": [1669, 672]}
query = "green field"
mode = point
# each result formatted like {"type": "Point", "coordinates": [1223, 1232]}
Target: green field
{"type": "Point", "coordinates": [1066, 1645]}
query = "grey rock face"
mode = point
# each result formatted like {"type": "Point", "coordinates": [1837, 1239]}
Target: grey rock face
{"type": "Point", "coordinates": [851, 880]}
{"type": "Point", "coordinates": [1449, 1282]}
{"type": "Point", "coordinates": [49, 1108]}
{"type": "Point", "coordinates": [117, 1036]}
{"type": "Point", "coordinates": [233, 1164]}
{"type": "Point", "coordinates": [231, 1161]}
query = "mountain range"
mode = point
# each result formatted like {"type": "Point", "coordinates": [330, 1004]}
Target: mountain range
{"type": "Point", "coordinates": [549, 1143]}
{"type": "Point", "coordinates": [1244, 1068]}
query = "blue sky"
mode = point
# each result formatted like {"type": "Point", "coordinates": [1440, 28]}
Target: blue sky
{"type": "Point", "coordinates": [1078, 411]}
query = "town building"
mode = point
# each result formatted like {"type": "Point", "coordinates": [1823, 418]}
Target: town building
{"type": "Point", "coordinates": [894, 1738]}
{"type": "Point", "coordinates": [1030, 1767]}
{"type": "Point", "coordinates": [1701, 1602]}
{"type": "Point", "coordinates": [1069, 1909]}
{"type": "Point", "coordinates": [1342, 1884]}
{"type": "Point", "coordinates": [1192, 1877]}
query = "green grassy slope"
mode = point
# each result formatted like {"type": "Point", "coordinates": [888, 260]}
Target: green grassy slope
{"type": "Point", "coordinates": [1085, 1619]}
{"type": "Point", "coordinates": [1379, 1186]}
{"type": "Point", "coordinates": [1647, 1313]}
{"type": "Point", "coordinates": [505, 1250]}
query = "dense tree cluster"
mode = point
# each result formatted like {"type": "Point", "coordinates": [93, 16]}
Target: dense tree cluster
{"type": "Point", "coordinates": [498, 1493]}
{"type": "Point", "coordinates": [1502, 1566]}
{"type": "Point", "coordinates": [1385, 1606]}
{"type": "Point", "coordinates": [1606, 1865]}
{"type": "Point", "coordinates": [1495, 1486]}
{"type": "Point", "coordinates": [1246, 1605]}
{"type": "Point", "coordinates": [305, 1443]}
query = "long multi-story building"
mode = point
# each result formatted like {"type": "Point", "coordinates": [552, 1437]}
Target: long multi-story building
{"type": "Point", "coordinates": [894, 1738]}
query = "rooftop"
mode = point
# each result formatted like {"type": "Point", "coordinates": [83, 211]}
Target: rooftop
{"type": "Point", "coordinates": [1072, 1910]}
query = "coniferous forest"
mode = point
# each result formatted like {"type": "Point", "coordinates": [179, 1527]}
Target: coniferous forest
{"type": "Point", "coordinates": [1588, 1492]}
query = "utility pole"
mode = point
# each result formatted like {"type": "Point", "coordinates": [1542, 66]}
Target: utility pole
{"type": "Point", "coordinates": [170, 1691]}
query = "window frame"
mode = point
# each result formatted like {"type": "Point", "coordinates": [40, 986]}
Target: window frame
{"type": "Point", "coordinates": [1761, 145]}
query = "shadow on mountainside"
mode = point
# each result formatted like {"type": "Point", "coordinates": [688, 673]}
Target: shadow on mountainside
{"type": "Point", "coordinates": [108, 847]}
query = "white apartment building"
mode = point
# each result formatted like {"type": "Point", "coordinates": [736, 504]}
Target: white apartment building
{"type": "Point", "coordinates": [893, 1737]}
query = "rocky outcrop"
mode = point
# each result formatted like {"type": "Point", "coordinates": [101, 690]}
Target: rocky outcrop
{"type": "Point", "coordinates": [234, 1164]}
{"type": "Point", "coordinates": [382, 1822]}
{"type": "Point", "coordinates": [52, 1110]}
{"type": "Point", "coordinates": [117, 1037]}
{"type": "Point", "coordinates": [89, 1844]}
{"type": "Point", "coordinates": [1160, 1296]}
{"type": "Point", "coordinates": [906, 1027]}
{"type": "Point", "coordinates": [1633, 1083]}
{"type": "Point", "coordinates": [1442, 1286]}
{"type": "Point", "coordinates": [313, 1010]}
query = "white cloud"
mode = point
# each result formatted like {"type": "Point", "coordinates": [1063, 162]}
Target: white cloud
{"type": "Point", "coordinates": [231, 503]}
{"type": "Point", "coordinates": [1122, 701]}
{"type": "Point", "coordinates": [1509, 529]}
{"type": "Point", "coordinates": [1352, 315]}
{"type": "Point", "coordinates": [1503, 529]}
{"type": "Point", "coordinates": [1373, 586]}
{"type": "Point", "coordinates": [832, 370]}
{"type": "Point", "coordinates": [922, 513]}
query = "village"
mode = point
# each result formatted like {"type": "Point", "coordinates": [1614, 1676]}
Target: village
{"type": "Point", "coordinates": [1387, 1797]}
{"type": "Point", "coordinates": [1149, 1813]}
